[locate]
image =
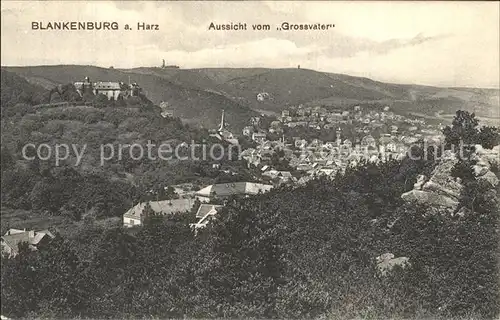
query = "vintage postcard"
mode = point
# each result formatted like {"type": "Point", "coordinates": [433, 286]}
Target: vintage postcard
{"type": "Point", "coordinates": [250, 160]}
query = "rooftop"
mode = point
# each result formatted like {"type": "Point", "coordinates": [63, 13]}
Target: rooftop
{"type": "Point", "coordinates": [162, 207]}
{"type": "Point", "coordinates": [14, 237]}
{"type": "Point", "coordinates": [237, 188]}
{"type": "Point", "coordinates": [107, 85]}
{"type": "Point", "coordinates": [204, 209]}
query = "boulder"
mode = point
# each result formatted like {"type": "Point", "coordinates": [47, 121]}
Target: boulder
{"type": "Point", "coordinates": [449, 188]}
{"type": "Point", "coordinates": [480, 170]}
{"type": "Point", "coordinates": [387, 261]}
{"type": "Point", "coordinates": [441, 189]}
{"type": "Point", "coordinates": [384, 257]}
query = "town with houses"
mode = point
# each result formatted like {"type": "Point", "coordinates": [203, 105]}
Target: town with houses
{"type": "Point", "coordinates": [164, 169]}
{"type": "Point", "coordinates": [282, 152]}
{"type": "Point", "coordinates": [360, 134]}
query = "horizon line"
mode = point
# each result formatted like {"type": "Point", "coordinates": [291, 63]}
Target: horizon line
{"type": "Point", "coordinates": [268, 68]}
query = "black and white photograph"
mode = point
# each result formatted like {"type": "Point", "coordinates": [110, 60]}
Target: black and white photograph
{"type": "Point", "coordinates": [322, 160]}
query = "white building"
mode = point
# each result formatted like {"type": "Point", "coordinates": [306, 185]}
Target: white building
{"type": "Point", "coordinates": [225, 190]}
{"type": "Point", "coordinates": [134, 216]}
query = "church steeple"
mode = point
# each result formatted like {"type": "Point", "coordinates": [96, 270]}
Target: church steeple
{"type": "Point", "coordinates": [222, 123]}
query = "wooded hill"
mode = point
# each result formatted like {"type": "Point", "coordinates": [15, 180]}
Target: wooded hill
{"type": "Point", "coordinates": [43, 186]}
{"type": "Point", "coordinates": [199, 95]}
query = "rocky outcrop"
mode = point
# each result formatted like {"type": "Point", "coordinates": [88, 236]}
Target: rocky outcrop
{"type": "Point", "coordinates": [430, 198]}
{"type": "Point", "coordinates": [490, 178]}
{"type": "Point", "coordinates": [441, 189]}
{"type": "Point", "coordinates": [485, 160]}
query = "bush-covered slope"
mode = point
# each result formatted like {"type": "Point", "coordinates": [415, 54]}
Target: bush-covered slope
{"type": "Point", "coordinates": [293, 253]}
{"type": "Point", "coordinates": [16, 93]}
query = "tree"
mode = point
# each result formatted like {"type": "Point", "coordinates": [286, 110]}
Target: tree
{"type": "Point", "coordinates": [62, 294]}
{"type": "Point", "coordinates": [463, 129]}
{"type": "Point", "coordinates": [101, 101]}
{"type": "Point", "coordinates": [489, 137]}
{"type": "Point", "coordinates": [7, 161]}
{"type": "Point", "coordinates": [170, 193]}
{"type": "Point", "coordinates": [20, 283]}
{"type": "Point", "coordinates": [279, 162]}
{"type": "Point", "coordinates": [147, 211]}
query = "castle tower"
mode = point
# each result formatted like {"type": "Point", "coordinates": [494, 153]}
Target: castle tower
{"type": "Point", "coordinates": [339, 141]}
{"type": "Point", "coordinates": [163, 65]}
{"type": "Point", "coordinates": [87, 86]}
{"type": "Point", "coordinates": [222, 123]}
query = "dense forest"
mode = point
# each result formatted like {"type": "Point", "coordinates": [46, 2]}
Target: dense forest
{"type": "Point", "coordinates": [304, 252]}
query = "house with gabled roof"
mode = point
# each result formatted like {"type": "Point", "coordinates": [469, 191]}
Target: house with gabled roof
{"type": "Point", "coordinates": [134, 216]}
{"type": "Point", "coordinates": [206, 208]}
{"type": "Point", "coordinates": [205, 214]}
{"type": "Point", "coordinates": [226, 190]}
{"type": "Point", "coordinates": [14, 237]}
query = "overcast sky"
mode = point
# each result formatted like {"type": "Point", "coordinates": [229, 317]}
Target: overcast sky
{"type": "Point", "coordinates": [439, 43]}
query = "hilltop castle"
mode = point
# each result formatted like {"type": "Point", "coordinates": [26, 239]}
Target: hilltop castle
{"type": "Point", "coordinates": [112, 90]}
